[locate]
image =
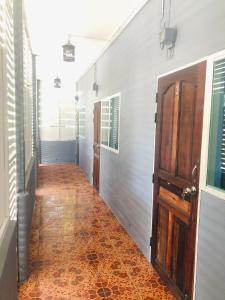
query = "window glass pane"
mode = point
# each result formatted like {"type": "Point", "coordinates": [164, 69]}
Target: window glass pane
{"type": "Point", "coordinates": [105, 122]}
{"type": "Point", "coordinates": [216, 160]}
{"type": "Point", "coordinates": [114, 123]}
{"type": "Point", "coordinates": [110, 122]}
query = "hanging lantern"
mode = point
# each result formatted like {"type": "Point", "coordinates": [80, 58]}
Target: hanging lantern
{"type": "Point", "coordinates": [68, 52]}
{"type": "Point", "coordinates": [57, 82]}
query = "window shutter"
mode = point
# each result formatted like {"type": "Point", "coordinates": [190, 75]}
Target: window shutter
{"type": "Point", "coordinates": [8, 70]}
{"type": "Point", "coordinates": [114, 116]}
{"type": "Point", "coordinates": [110, 114]}
{"type": "Point", "coordinates": [219, 91]}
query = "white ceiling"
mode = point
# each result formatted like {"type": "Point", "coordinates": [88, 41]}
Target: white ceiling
{"type": "Point", "coordinates": [91, 23]}
{"type": "Point", "coordinates": [97, 19]}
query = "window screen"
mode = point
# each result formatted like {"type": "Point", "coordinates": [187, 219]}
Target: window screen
{"type": "Point", "coordinates": [216, 155]}
{"type": "Point", "coordinates": [110, 122]}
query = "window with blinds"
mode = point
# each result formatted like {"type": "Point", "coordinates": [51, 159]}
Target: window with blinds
{"type": "Point", "coordinates": [8, 207]}
{"type": "Point", "coordinates": [110, 114]}
{"type": "Point", "coordinates": [216, 155]}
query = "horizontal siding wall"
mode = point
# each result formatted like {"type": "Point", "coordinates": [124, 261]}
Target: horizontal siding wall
{"type": "Point", "coordinates": [8, 263]}
{"type": "Point", "coordinates": [211, 249]}
{"type": "Point", "coordinates": [26, 201]}
{"type": "Point", "coordinates": [131, 66]}
{"type": "Point", "coordinates": [57, 152]}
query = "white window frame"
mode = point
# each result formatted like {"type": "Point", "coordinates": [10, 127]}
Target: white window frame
{"type": "Point", "coordinates": [116, 151]}
{"type": "Point", "coordinates": [206, 128]}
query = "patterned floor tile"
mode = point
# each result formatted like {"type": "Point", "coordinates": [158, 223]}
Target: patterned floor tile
{"type": "Point", "coordinates": [78, 250]}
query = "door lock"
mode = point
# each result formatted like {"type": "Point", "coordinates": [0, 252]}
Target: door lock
{"type": "Point", "coordinates": [188, 191]}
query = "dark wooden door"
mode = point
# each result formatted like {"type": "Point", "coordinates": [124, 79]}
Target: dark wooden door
{"type": "Point", "coordinates": [176, 176]}
{"type": "Point", "coordinates": [96, 145]}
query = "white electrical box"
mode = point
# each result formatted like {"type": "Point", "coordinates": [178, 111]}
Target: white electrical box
{"type": "Point", "coordinates": [168, 37]}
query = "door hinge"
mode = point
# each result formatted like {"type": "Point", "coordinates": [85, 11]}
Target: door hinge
{"type": "Point", "coordinates": [156, 97]}
{"type": "Point", "coordinates": [153, 178]}
{"type": "Point", "coordinates": [150, 242]}
{"type": "Point", "coordinates": [156, 117]}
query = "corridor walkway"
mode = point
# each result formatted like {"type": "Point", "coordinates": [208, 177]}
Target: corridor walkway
{"type": "Point", "coordinates": [78, 250]}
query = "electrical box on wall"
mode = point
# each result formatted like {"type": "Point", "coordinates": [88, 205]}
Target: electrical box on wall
{"type": "Point", "coordinates": [168, 37]}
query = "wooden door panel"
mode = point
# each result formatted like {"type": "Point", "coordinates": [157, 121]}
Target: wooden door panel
{"type": "Point", "coordinates": [178, 260]}
{"type": "Point", "coordinates": [166, 151]}
{"type": "Point", "coordinates": [162, 235]}
{"type": "Point", "coordinates": [171, 246]}
{"type": "Point", "coordinates": [176, 176]}
{"type": "Point", "coordinates": [186, 124]}
{"type": "Point", "coordinates": [173, 201]}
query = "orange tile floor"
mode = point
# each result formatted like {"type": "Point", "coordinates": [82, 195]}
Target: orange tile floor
{"type": "Point", "coordinates": [78, 249]}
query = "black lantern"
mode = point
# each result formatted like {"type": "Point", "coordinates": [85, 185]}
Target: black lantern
{"type": "Point", "coordinates": [57, 82]}
{"type": "Point", "coordinates": [68, 52]}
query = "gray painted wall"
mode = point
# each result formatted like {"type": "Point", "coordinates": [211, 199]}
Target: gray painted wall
{"type": "Point", "coordinates": [131, 66]}
{"type": "Point", "coordinates": [57, 152]}
{"type": "Point", "coordinates": [8, 263]}
{"type": "Point", "coordinates": [25, 205]}
{"type": "Point", "coordinates": [86, 144]}
{"type": "Point", "coordinates": [211, 249]}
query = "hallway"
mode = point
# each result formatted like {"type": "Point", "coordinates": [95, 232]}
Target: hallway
{"type": "Point", "coordinates": [78, 250]}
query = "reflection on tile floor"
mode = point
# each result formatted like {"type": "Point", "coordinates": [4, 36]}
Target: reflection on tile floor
{"type": "Point", "coordinates": [78, 250]}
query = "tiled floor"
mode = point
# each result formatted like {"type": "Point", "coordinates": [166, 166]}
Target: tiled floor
{"type": "Point", "coordinates": [78, 250]}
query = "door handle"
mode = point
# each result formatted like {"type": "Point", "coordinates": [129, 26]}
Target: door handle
{"type": "Point", "coordinates": [194, 171]}
{"type": "Point", "coordinates": [188, 191]}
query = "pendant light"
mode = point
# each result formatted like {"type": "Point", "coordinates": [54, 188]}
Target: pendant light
{"type": "Point", "coordinates": [57, 82]}
{"type": "Point", "coordinates": [69, 51]}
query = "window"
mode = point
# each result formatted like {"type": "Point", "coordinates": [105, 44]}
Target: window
{"type": "Point", "coordinates": [8, 208]}
{"type": "Point", "coordinates": [110, 115]}
{"type": "Point", "coordinates": [216, 154]}
{"type": "Point", "coordinates": [82, 121]}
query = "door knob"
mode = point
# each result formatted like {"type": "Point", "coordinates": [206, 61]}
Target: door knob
{"type": "Point", "coordinates": [188, 191]}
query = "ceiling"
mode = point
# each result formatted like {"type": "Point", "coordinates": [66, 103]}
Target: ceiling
{"type": "Point", "coordinates": [91, 23]}
{"type": "Point", "coordinates": [95, 19]}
